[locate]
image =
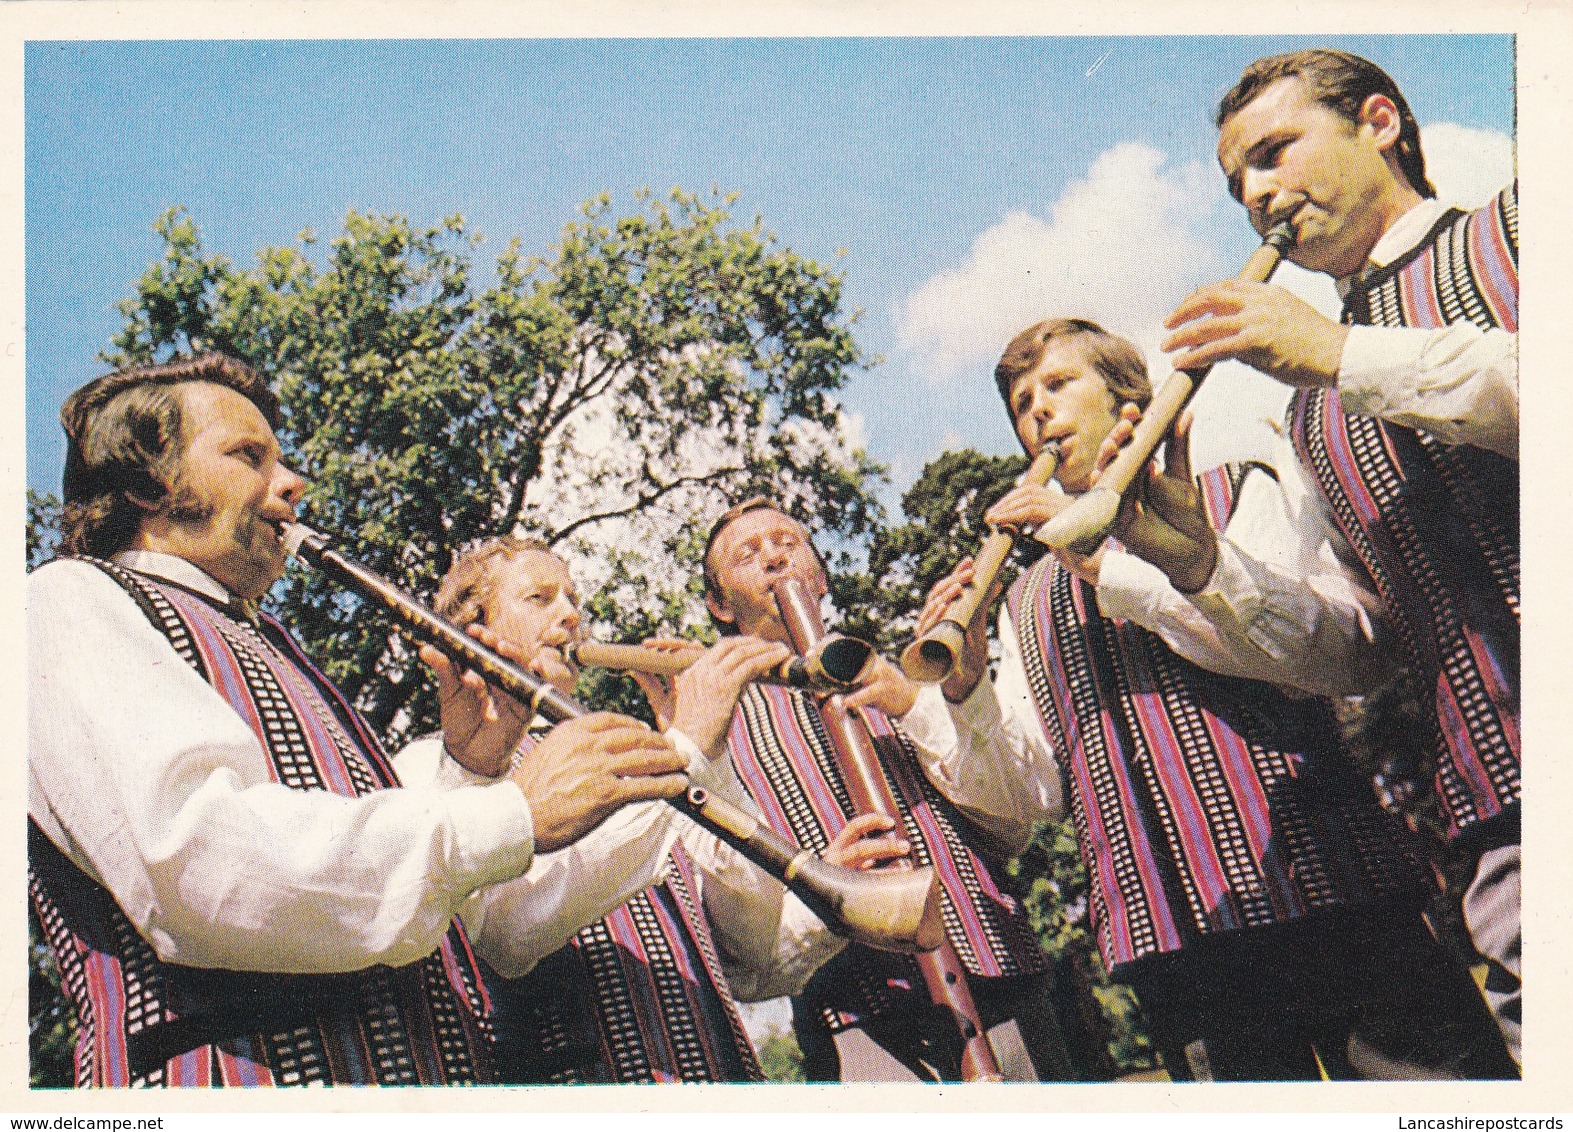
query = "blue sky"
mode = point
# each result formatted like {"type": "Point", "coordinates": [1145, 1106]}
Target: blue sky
{"type": "Point", "coordinates": [907, 153]}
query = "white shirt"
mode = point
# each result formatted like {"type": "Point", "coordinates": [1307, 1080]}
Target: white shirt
{"type": "Point", "coordinates": [988, 755]}
{"type": "Point", "coordinates": [1459, 383]}
{"type": "Point", "coordinates": [150, 783]}
{"type": "Point", "coordinates": [770, 943]}
{"type": "Point", "coordinates": [1287, 602]}
{"type": "Point", "coordinates": [1276, 581]}
{"type": "Point", "coordinates": [1000, 736]}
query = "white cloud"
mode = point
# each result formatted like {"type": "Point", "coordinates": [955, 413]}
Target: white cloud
{"type": "Point", "coordinates": [1467, 166]}
{"type": "Point", "coordinates": [1120, 246]}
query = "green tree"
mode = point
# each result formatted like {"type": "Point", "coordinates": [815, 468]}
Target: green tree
{"type": "Point", "coordinates": [606, 396]}
{"type": "Point", "coordinates": [943, 512]}
{"type": "Point", "coordinates": [780, 1057]}
{"type": "Point", "coordinates": [43, 527]}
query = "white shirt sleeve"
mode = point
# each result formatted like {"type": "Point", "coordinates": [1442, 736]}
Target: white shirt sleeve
{"type": "Point", "coordinates": [1459, 383]}
{"type": "Point", "coordinates": [770, 944]}
{"type": "Point", "coordinates": [1284, 605]}
{"type": "Point", "coordinates": [989, 754]}
{"type": "Point", "coordinates": [149, 782]}
{"type": "Point", "coordinates": [517, 924]}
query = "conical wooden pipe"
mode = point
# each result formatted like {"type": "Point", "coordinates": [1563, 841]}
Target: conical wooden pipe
{"type": "Point", "coordinates": [1084, 525]}
{"type": "Point", "coordinates": [934, 656]}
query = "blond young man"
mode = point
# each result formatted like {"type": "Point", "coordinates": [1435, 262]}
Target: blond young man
{"type": "Point", "coordinates": [1242, 877]}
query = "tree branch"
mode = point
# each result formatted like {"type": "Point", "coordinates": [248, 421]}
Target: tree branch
{"type": "Point", "coordinates": [643, 500]}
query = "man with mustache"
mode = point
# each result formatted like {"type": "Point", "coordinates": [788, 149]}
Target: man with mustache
{"type": "Point", "coordinates": [1405, 424]}
{"type": "Point", "coordinates": [645, 993]}
{"type": "Point", "coordinates": [236, 888]}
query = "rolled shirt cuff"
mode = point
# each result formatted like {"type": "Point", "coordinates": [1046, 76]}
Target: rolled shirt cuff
{"type": "Point", "coordinates": [930, 723]}
{"type": "Point", "coordinates": [1274, 619]}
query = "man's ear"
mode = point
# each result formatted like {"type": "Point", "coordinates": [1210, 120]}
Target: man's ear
{"type": "Point", "coordinates": [149, 498]}
{"type": "Point", "coordinates": [1380, 113]}
{"type": "Point", "coordinates": [719, 611]}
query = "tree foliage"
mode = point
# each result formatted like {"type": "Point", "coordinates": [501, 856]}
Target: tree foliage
{"type": "Point", "coordinates": [608, 396]}
{"type": "Point", "coordinates": [43, 527]}
{"type": "Point", "coordinates": [780, 1058]}
{"type": "Point", "coordinates": [943, 521]}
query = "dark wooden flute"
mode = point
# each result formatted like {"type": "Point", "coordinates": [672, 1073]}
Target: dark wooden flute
{"type": "Point", "coordinates": [888, 911]}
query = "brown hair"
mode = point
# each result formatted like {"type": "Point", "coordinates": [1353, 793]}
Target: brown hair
{"type": "Point", "coordinates": [1119, 363]}
{"type": "Point", "coordinates": [470, 585]}
{"type": "Point", "coordinates": [726, 518]}
{"type": "Point", "coordinates": [1341, 82]}
{"type": "Point", "coordinates": [125, 440]}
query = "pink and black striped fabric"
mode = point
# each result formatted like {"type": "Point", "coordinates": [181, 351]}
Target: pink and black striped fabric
{"type": "Point", "coordinates": [783, 757]}
{"type": "Point", "coordinates": [637, 997]}
{"type": "Point", "coordinates": [1437, 525]}
{"type": "Point", "coordinates": [145, 1022]}
{"type": "Point", "coordinates": [1203, 803]}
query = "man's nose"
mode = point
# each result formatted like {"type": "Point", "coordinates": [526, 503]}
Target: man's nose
{"type": "Point", "coordinates": [1257, 190]}
{"type": "Point", "coordinates": [568, 615]}
{"type": "Point", "coordinates": [288, 486]}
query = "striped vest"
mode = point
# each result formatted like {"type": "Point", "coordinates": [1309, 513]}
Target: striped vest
{"type": "Point", "coordinates": [1437, 525]}
{"type": "Point", "coordinates": [142, 1021]}
{"type": "Point", "coordinates": [1203, 803]}
{"type": "Point", "coordinates": [783, 757]}
{"type": "Point", "coordinates": [636, 997]}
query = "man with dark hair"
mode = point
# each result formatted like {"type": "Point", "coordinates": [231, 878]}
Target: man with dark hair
{"type": "Point", "coordinates": [1406, 426]}
{"type": "Point", "coordinates": [868, 1016]}
{"type": "Point", "coordinates": [1241, 876]}
{"type": "Point", "coordinates": [645, 993]}
{"type": "Point", "coordinates": [235, 887]}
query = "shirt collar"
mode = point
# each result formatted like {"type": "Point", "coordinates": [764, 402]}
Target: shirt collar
{"type": "Point", "coordinates": [173, 569]}
{"type": "Point", "coordinates": [1405, 232]}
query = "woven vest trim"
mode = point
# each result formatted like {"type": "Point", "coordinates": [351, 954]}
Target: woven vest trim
{"type": "Point", "coordinates": [784, 759]}
{"type": "Point", "coordinates": [1437, 525]}
{"type": "Point", "coordinates": [1203, 803]}
{"type": "Point", "coordinates": [146, 1022]}
{"type": "Point", "coordinates": [638, 996]}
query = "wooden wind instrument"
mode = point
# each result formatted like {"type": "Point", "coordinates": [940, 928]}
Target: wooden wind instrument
{"type": "Point", "coordinates": [887, 911]}
{"type": "Point", "coordinates": [870, 792]}
{"type": "Point", "coordinates": [1084, 525]}
{"type": "Point", "coordinates": [933, 656]}
{"type": "Point", "coordinates": [832, 665]}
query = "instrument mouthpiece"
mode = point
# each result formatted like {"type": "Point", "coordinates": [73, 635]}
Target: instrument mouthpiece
{"type": "Point", "coordinates": [1281, 236]}
{"type": "Point", "coordinates": [299, 537]}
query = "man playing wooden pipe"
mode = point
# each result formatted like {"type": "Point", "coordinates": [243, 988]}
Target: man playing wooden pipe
{"type": "Point", "coordinates": [1242, 878]}
{"type": "Point", "coordinates": [867, 1016]}
{"type": "Point", "coordinates": [235, 887]}
{"type": "Point", "coordinates": [612, 970]}
{"type": "Point", "coordinates": [1405, 430]}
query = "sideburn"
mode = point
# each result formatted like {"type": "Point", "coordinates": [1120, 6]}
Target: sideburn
{"type": "Point", "coordinates": [181, 505]}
